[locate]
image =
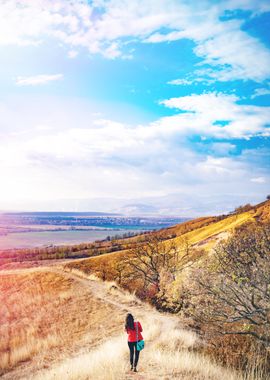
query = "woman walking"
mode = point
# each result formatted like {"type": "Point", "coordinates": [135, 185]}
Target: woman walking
{"type": "Point", "coordinates": [133, 330]}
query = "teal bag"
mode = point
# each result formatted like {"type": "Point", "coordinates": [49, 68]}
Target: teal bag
{"type": "Point", "coordinates": [140, 343]}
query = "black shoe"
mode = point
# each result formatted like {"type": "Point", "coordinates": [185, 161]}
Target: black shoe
{"type": "Point", "coordinates": [131, 368]}
{"type": "Point", "coordinates": [135, 369]}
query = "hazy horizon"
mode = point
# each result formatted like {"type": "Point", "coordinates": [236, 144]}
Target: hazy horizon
{"type": "Point", "coordinates": [185, 207]}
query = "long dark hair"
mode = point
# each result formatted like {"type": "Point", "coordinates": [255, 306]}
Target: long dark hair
{"type": "Point", "coordinates": [129, 322]}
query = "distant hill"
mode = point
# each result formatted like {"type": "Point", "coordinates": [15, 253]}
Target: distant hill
{"type": "Point", "coordinates": [203, 233]}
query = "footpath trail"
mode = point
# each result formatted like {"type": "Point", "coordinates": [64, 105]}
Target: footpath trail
{"type": "Point", "coordinates": [170, 351]}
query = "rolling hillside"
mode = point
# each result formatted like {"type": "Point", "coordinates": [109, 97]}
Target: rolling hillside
{"type": "Point", "coordinates": [60, 321]}
{"type": "Point", "coordinates": [75, 331]}
{"type": "Point", "coordinates": [201, 233]}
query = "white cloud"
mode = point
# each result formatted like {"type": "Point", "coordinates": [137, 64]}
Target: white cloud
{"type": "Point", "coordinates": [109, 27]}
{"type": "Point", "coordinates": [260, 92]}
{"type": "Point", "coordinates": [37, 80]}
{"type": "Point", "coordinates": [101, 162]}
{"type": "Point", "coordinates": [112, 51]}
{"type": "Point", "coordinates": [217, 115]}
{"type": "Point", "coordinates": [219, 44]}
{"type": "Point", "coordinates": [181, 82]}
{"type": "Point", "coordinates": [223, 167]}
{"type": "Point", "coordinates": [53, 154]}
{"type": "Point", "coordinates": [72, 54]}
{"type": "Point", "coordinates": [258, 180]}
{"type": "Point", "coordinates": [222, 148]}
{"type": "Point", "coordinates": [221, 51]}
{"type": "Point", "coordinates": [252, 5]}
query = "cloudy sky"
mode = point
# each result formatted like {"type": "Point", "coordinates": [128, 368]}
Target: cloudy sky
{"type": "Point", "coordinates": [158, 106]}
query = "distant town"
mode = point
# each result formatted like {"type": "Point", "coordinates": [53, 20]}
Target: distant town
{"type": "Point", "coordinates": [58, 221]}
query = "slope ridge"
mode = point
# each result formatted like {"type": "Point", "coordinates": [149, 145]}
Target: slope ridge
{"type": "Point", "coordinates": [201, 232]}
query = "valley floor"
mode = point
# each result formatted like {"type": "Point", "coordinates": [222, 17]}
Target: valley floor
{"type": "Point", "coordinates": [98, 348]}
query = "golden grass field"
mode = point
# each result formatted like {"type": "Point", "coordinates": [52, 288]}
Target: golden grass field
{"type": "Point", "coordinates": [44, 312]}
{"type": "Point", "coordinates": [202, 233]}
{"type": "Point", "coordinates": [66, 325]}
{"type": "Point", "coordinates": [62, 322]}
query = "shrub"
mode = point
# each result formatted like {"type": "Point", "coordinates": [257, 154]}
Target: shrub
{"type": "Point", "coordinates": [231, 296]}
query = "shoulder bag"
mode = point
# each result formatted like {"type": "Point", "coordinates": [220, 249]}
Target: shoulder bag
{"type": "Point", "coordinates": [139, 343]}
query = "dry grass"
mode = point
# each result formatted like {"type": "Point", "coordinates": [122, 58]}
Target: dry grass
{"type": "Point", "coordinates": [169, 354]}
{"type": "Point", "coordinates": [205, 236]}
{"type": "Point", "coordinates": [204, 233]}
{"type": "Point", "coordinates": [27, 302]}
{"type": "Point", "coordinates": [103, 363]}
{"type": "Point", "coordinates": [39, 315]}
{"type": "Point", "coordinates": [48, 315]}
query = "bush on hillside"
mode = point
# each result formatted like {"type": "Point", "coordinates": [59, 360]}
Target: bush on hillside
{"type": "Point", "coordinates": [155, 266]}
{"type": "Point", "coordinates": [230, 298]}
{"type": "Point", "coordinates": [243, 208]}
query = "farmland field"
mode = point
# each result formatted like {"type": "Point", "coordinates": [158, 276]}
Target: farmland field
{"type": "Point", "coordinates": [39, 239]}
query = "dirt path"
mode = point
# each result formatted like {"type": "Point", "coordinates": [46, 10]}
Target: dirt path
{"type": "Point", "coordinates": [168, 353]}
{"type": "Point", "coordinates": [104, 293]}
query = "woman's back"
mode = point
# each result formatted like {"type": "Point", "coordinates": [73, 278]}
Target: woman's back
{"type": "Point", "coordinates": [132, 333]}
{"type": "Point", "coordinates": [133, 330]}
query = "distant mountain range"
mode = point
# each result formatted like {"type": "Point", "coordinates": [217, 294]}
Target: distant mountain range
{"type": "Point", "coordinates": [177, 205]}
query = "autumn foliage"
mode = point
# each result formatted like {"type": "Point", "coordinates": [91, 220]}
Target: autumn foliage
{"type": "Point", "coordinates": [229, 299]}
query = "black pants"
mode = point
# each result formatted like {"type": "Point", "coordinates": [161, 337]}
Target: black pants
{"type": "Point", "coordinates": [132, 350]}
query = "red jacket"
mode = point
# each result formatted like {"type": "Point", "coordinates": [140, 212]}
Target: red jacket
{"type": "Point", "coordinates": [132, 333]}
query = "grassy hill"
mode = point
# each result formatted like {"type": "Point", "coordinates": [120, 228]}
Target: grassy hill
{"type": "Point", "coordinates": [69, 326]}
{"type": "Point", "coordinates": [201, 229]}
{"type": "Point", "coordinates": [59, 321]}
{"type": "Point", "coordinates": [39, 316]}
{"type": "Point", "coordinates": [202, 233]}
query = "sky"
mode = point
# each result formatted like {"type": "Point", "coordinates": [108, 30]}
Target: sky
{"type": "Point", "coordinates": [134, 106]}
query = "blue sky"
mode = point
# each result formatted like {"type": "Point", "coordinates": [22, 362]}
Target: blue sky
{"type": "Point", "coordinates": [134, 105]}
